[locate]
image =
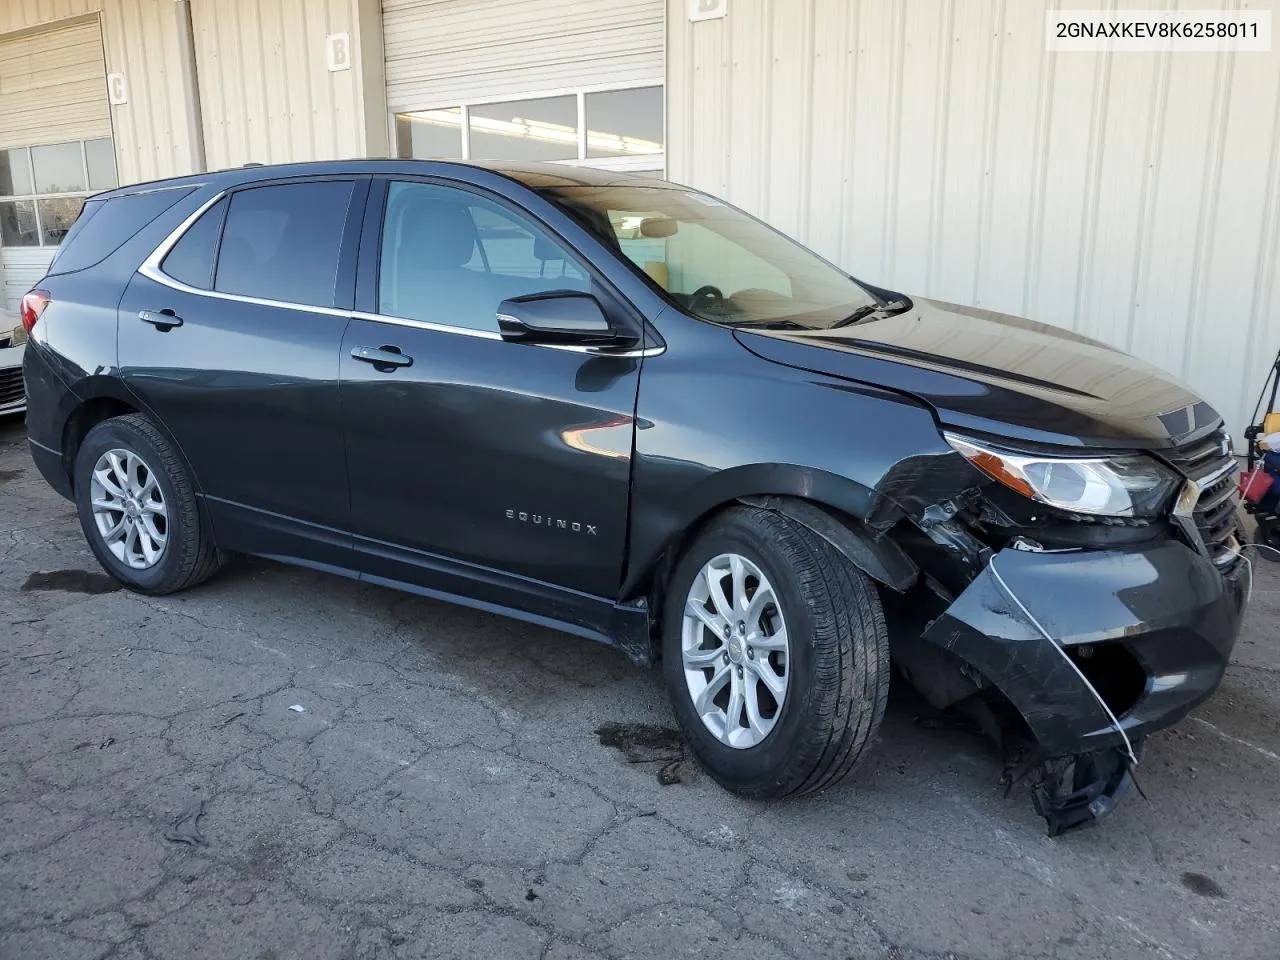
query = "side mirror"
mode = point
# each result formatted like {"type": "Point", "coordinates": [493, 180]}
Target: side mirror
{"type": "Point", "coordinates": [558, 317]}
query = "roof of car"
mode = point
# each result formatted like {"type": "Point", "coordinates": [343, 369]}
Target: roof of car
{"type": "Point", "coordinates": [538, 176]}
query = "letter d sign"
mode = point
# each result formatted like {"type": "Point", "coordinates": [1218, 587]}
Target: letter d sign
{"type": "Point", "coordinates": [707, 9]}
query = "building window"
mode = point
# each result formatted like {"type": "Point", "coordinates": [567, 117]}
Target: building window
{"type": "Point", "coordinates": [608, 128]}
{"type": "Point", "coordinates": [43, 188]}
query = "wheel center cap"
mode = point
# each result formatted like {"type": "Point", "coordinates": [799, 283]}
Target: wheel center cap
{"type": "Point", "coordinates": [131, 509]}
{"type": "Point", "coordinates": [735, 650]}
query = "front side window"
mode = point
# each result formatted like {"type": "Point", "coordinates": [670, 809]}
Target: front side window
{"type": "Point", "coordinates": [450, 257]}
{"type": "Point", "coordinates": [282, 242]}
{"type": "Point", "coordinates": [713, 260]}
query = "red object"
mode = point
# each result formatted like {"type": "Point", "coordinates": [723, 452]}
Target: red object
{"type": "Point", "coordinates": [1255, 484]}
{"type": "Point", "coordinates": [33, 305]}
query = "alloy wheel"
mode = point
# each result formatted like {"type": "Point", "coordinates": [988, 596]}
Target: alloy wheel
{"type": "Point", "coordinates": [735, 650]}
{"type": "Point", "coordinates": [129, 509]}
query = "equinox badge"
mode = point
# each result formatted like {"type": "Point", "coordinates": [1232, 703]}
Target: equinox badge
{"type": "Point", "coordinates": [542, 520]}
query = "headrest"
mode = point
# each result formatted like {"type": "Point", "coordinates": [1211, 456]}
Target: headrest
{"type": "Point", "coordinates": [437, 233]}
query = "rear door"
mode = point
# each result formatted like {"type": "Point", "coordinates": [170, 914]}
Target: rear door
{"type": "Point", "coordinates": [232, 338]}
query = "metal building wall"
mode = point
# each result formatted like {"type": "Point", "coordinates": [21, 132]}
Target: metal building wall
{"type": "Point", "coordinates": [266, 93]}
{"type": "Point", "coordinates": [24, 14]}
{"type": "Point", "coordinates": [138, 39]}
{"type": "Point", "coordinates": [934, 146]}
{"type": "Point", "coordinates": [151, 130]}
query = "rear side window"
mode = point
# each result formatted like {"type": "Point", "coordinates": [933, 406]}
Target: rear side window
{"type": "Point", "coordinates": [282, 242]}
{"type": "Point", "coordinates": [191, 259]}
{"type": "Point", "coordinates": [104, 225]}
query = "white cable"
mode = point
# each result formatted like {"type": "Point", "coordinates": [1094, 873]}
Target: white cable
{"type": "Point", "coordinates": [1255, 546]}
{"type": "Point", "coordinates": [1045, 633]}
{"type": "Point", "coordinates": [1248, 593]}
{"type": "Point", "coordinates": [1259, 546]}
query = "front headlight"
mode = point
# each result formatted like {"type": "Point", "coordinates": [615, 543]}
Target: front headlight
{"type": "Point", "coordinates": [18, 336]}
{"type": "Point", "coordinates": [1123, 486]}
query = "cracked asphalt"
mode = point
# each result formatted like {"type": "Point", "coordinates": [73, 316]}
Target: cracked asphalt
{"type": "Point", "coordinates": [382, 776]}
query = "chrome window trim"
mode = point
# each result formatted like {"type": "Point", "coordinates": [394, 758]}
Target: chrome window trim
{"type": "Point", "coordinates": [150, 269]}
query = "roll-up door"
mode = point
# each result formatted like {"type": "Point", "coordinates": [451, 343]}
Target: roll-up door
{"type": "Point", "coordinates": [441, 52]}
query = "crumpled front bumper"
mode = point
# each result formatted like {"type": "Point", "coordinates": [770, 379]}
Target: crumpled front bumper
{"type": "Point", "coordinates": [1168, 606]}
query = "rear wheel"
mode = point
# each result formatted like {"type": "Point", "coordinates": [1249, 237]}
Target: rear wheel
{"type": "Point", "coordinates": [775, 654]}
{"type": "Point", "coordinates": [138, 508]}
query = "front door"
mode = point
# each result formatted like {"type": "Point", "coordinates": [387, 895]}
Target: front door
{"type": "Point", "coordinates": [233, 339]}
{"type": "Point", "coordinates": [509, 457]}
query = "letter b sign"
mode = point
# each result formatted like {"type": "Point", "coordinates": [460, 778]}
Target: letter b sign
{"type": "Point", "coordinates": [338, 51]}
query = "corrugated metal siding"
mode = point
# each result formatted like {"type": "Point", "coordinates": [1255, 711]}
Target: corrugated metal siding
{"type": "Point", "coordinates": [934, 146]}
{"type": "Point", "coordinates": [53, 86]}
{"type": "Point", "coordinates": [141, 41]}
{"type": "Point", "coordinates": [24, 14]}
{"type": "Point", "coordinates": [440, 52]}
{"type": "Point", "coordinates": [266, 93]}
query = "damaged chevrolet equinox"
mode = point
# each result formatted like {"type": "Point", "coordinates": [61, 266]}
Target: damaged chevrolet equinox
{"type": "Point", "coordinates": [625, 409]}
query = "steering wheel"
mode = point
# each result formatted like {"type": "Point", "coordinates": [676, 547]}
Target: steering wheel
{"type": "Point", "coordinates": [708, 292]}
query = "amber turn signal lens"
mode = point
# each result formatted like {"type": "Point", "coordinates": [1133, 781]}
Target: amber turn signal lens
{"type": "Point", "coordinates": [995, 468]}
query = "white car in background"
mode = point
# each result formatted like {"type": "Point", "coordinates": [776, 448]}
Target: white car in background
{"type": "Point", "coordinates": [13, 339]}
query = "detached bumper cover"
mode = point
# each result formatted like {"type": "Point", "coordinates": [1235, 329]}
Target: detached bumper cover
{"type": "Point", "coordinates": [1170, 608]}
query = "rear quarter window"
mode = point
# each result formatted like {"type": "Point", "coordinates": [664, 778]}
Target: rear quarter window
{"type": "Point", "coordinates": [104, 225]}
{"type": "Point", "coordinates": [191, 259]}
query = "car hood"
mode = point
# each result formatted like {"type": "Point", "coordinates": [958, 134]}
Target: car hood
{"type": "Point", "coordinates": [1000, 375]}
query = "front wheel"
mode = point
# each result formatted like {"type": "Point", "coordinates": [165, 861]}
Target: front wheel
{"type": "Point", "coordinates": [1267, 534]}
{"type": "Point", "coordinates": [138, 508]}
{"type": "Point", "coordinates": [775, 654]}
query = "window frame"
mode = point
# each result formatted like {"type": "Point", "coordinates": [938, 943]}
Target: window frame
{"type": "Point", "coordinates": [217, 242]}
{"type": "Point", "coordinates": [634, 162]}
{"type": "Point", "coordinates": [35, 197]}
{"type": "Point", "coordinates": [615, 304]}
{"type": "Point", "coordinates": [348, 249]}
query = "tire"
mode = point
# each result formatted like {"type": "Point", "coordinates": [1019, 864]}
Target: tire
{"type": "Point", "coordinates": [188, 554]}
{"type": "Point", "coordinates": [837, 662]}
{"type": "Point", "coordinates": [1267, 534]}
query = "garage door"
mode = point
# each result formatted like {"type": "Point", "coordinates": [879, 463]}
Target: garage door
{"type": "Point", "coordinates": [55, 145]}
{"type": "Point", "coordinates": [557, 80]}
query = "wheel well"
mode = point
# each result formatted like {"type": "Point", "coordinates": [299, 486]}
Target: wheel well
{"type": "Point", "coordinates": [83, 419]}
{"type": "Point", "coordinates": [654, 586]}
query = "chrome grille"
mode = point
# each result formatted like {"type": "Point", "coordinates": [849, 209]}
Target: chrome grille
{"type": "Point", "coordinates": [11, 388]}
{"type": "Point", "coordinates": [1208, 508]}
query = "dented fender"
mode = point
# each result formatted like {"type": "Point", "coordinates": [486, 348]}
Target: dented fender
{"type": "Point", "coordinates": [881, 559]}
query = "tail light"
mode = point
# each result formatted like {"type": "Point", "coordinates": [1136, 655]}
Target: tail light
{"type": "Point", "coordinates": [33, 305]}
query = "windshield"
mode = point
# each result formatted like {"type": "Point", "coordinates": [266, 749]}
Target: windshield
{"type": "Point", "coordinates": [713, 260]}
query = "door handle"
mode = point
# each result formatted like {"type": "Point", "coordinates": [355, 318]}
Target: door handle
{"type": "Point", "coordinates": [385, 358]}
{"type": "Point", "coordinates": [162, 320]}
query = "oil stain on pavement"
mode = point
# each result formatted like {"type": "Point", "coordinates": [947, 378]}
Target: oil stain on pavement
{"type": "Point", "coordinates": [648, 743]}
{"type": "Point", "coordinates": [1199, 883]}
{"type": "Point", "coordinates": [71, 581]}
